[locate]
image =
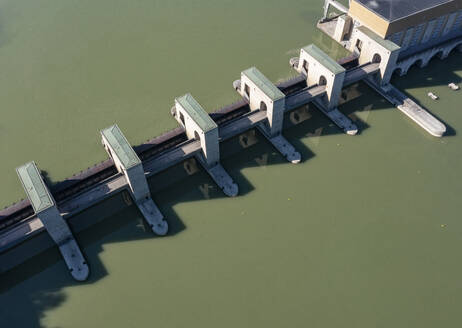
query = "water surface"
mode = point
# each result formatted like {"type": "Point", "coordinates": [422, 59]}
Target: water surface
{"type": "Point", "coordinates": [365, 232]}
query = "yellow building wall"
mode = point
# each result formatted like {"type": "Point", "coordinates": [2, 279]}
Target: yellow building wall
{"type": "Point", "coordinates": [384, 28]}
{"type": "Point", "coordinates": [368, 18]}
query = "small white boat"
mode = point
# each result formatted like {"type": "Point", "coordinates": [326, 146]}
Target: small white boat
{"type": "Point", "coordinates": [432, 95]}
{"type": "Point", "coordinates": [453, 86]}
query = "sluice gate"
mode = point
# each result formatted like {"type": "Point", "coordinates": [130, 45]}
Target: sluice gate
{"type": "Point", "coordinates": [263, 105]}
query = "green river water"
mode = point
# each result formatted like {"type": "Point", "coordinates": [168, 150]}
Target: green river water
{"type": "Point", "coordinates": [365, 232]}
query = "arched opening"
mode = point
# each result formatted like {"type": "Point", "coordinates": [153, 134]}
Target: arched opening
{"type": "Point", "coordinates": [376, 58]}
{"type": "Point", "coordinates": [196, 135]}
{"type": "Point", "coordinates": [439, 54]}
{"type": "Point", "coordinates": [418, 63]}
{"type": "Point", "coordinates": [457, 47]}
{"type": "Point", "coordinates": [398, 71]}
{"type": "Point", "coordinates": [182, 118]}
{"type": "Point", "coordinates": [263, 106]}
{"type": "Point", "coordinates": [305, 67]}
{"type": "Point", "coordinates": [359, 45]}
{"type": "Point", "coordinates": [322, 80]}
{"type": "Point", "coordinates": [247, 91]}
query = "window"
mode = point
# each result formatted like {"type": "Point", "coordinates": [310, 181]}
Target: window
{"type": "Point", "coordinates": [182, 118]}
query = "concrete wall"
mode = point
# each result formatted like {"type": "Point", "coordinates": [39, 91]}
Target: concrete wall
{"type": "Point", "coordinates": [209, 140]}
{"type": "Point", "coordinates": [55, 224]}
{"type": "Point", "coordinates": [368, 18]}
{"type": "Point", "coordinates": [134, 175]}
{"type": "Point", "coordinates": [428, 33]}
{"type": "Point", "coordinates": [370, 49]}
{"type": "Point", "coordinates": [318, 72]}
{"type": "Point", "coordinates": [423, 58]}
{"type": "Point", "coordinates": [342, 28]}
{"type": "Point", "coordinates": [274, 109]}
{"type": "Point", "coordinates": [137, 182]}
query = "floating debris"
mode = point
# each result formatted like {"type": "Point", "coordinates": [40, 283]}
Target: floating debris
{"type": "Point", "coordinates": [432, 95]}
{"type": "Point", "coordinates": [453, 86]}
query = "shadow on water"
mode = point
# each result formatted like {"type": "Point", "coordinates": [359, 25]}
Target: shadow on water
{"type": "Point", "coordinates": [26, 295]}
{"type": "Point", "coordinates": [359, 97]}
{"type": "Point", "coordinates": [431, 76]}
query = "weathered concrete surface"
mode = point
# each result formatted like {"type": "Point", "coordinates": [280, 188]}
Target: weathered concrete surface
{"type": "Point", "coordinates": [153, 216]}
{"type": "Point", "coordinates": [359, 73]}
{"type": "Point", "coordinates": [410, 108]}
{"type": "Point", "coordinates": [222, 179]}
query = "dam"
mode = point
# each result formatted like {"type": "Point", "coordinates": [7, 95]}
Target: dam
{"type": "Point", "coordinates": [321, 81]}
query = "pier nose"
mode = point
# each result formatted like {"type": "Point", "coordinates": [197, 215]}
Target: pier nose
{"type": "Point", "coordinates": [153, 216]}
{"type": "Point", "coordinates": [75, 261]}
{"type": "Point", "coordinates": [223, 180]}
{"type": "Point", "coordinates": [285, 148]}
{"type": "Point", "coordinates": [160, 228]}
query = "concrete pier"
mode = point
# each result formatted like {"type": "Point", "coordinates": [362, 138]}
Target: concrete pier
{"type": "Point", "coordinates": [200, 127]}
{"type": "Point", "coordinates": [339, 119]}
{"type": "Point", "coordinates": [47, 212]}
{"type": "Point", "coordinates": [128, 163]}
{"type": "Point", "coordinates": [200, 136]}
{"type": "Point", "coordinates": [262, 95]}
{"type": "Point", "coordinates": [321, 70]}
{"type": "Point", "coordinates": [406, 105]}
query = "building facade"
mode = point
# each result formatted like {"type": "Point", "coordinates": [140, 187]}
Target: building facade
{"type": "Point", "coordinates": [413, 25]}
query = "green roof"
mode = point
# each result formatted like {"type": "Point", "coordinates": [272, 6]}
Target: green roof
{"type": "Point", "coordinates": [35, 187]}
{"type": "Point", "coordinates": [324, 59]}
{"type": "Point", "coordinates": [263, 83]}
{"type": "Point", "coordinates": [387, 44]}
{"type": "Point", "coordinates": [119, 144]}
{"type": "Point", "coordinates": [196, 112]}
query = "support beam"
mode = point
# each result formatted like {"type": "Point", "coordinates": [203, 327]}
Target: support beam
{"type": "Point", "coordinates": [128, 163]}
{"type": "Point", "coordinates": [374, 49]}
{"type": "Point", "coordinates": [47, 211]}
{"type": "Point", "coordinates": [199, 126]}
{"type": "Point", "coordinates": [263, 95]}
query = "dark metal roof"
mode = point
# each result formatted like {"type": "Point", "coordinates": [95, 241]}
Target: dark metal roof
{"type": "Point", "coordinates": [393, 10]}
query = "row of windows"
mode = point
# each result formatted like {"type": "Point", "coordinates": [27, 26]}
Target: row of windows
{"type": "Point", "coordinates": [428, 31]}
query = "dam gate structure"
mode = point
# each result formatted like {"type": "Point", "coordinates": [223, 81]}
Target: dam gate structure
{"type": "Point", "coordinates": [47, 212]}
{"type": "Point", "coordinates": [381, 44]}
{"type": "Point", "coordinates": [200, 127]}
{"type": "Point", "coordinates": [262, 95]}
{"type": "Point", "coordinates": [128, 163]}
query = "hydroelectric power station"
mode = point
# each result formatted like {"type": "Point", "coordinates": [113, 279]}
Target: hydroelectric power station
{"type": "Point", "coordinates": [384, 37]}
